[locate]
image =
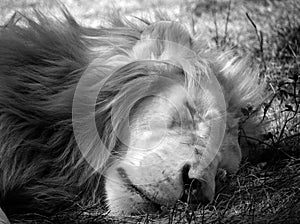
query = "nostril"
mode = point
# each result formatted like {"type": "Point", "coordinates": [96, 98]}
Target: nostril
{"type": "Point", "coordinates": [185, 174]}
{"type": "Point", "coordinates": [191, 183]}
{"type": "Point", "coordinates": [192, 192]}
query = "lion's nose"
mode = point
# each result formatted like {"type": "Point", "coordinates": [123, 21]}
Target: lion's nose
{"type": "Point", "coordinates": [193, 189]}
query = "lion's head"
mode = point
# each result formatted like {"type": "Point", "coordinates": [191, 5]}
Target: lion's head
{"type": "Point", "coordinates": [153, 112]}
{"type": "Point", "coordinates": [174, 110]}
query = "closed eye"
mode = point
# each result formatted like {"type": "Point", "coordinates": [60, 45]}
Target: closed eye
{"type": "Point", "coordinates": [185, 118]}
{"type": "Point", "coordinates": [175, 123]}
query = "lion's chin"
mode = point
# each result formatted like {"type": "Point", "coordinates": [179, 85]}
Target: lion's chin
{"type": "Point", "coordinates": [126, 198]}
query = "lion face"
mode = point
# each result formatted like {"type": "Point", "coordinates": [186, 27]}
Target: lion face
{"type": "Point", "coordinates": [164, 159]}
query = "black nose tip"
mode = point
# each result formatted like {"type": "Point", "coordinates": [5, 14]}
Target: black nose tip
{"type": "Point", "coordinates": [192, 193]}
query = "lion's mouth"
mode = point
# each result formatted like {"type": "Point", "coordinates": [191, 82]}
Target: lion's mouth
{"type": "Point", "coordinates": [133, 188]}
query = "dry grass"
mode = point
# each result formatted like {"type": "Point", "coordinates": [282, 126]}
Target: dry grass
{"type": "Point", "coordinates": [267, 187]}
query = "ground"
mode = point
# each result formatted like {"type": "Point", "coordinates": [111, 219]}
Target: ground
{"type": "Point", "coordinates": [267, 187]}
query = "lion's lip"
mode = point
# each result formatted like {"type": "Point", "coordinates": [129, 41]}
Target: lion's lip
{"type": "Point", "coordinates": [136, 189]}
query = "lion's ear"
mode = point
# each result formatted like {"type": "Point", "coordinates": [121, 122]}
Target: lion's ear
{"type": "Point", "coordinates": [243, 88]}
{"type": "Point", "coordinates": [241, 81]}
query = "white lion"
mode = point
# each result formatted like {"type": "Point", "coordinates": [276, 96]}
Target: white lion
{"type": "Point", "coordinates": [136, 115]}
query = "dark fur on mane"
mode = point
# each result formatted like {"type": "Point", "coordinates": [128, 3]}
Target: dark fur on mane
{"type": "Point", "coordinates": [41, 64]}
